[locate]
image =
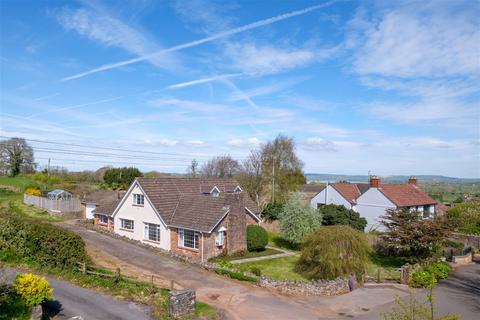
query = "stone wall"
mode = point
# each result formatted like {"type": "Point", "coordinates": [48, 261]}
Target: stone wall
{"type": "Point", "coordinates": [181, 303]}
{"type": "Point", "coordinates": [469, 240]}
{"type": "Point", "coordinates": [462, 260]}
{"type": "Point", "coordinates": [271, 226]}
{"type": "Point", "coordinates": [313, 288]}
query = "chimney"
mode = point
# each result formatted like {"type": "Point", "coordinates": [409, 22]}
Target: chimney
{"type": "Point", "coordinates": [412, 180]}
{"type": "Point", "coordinates": [374, 182]}
{"type": "Point", "coordinates": [236, 223]}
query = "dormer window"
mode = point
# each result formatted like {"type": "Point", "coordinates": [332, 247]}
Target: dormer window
{"type": "Point", "coordinates": [215, 192]}
{"type": "Point", "coordinates": [237, 189]}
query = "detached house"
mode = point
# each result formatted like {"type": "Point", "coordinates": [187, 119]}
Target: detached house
{"type": "Point", "coordinates": [196, 217]}
{"type": "Point", "coordinates": [372, 200]}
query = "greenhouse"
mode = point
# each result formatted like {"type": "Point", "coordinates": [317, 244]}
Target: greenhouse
{"type": "Point", "coordinates": [59, 194]}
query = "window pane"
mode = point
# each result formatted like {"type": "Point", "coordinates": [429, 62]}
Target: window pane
{"type": "Point", "coordinates": [153, 232]}
{"type": "Point", "coordinates": [190, 239]}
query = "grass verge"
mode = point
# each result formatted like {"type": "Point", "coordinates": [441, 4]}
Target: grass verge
{"type": "Point", "coordinates": [276, 241]}
{"type": "Point", "coordinates": [247, 255]}
{"type": "Point", "coordinates": [235, 275]}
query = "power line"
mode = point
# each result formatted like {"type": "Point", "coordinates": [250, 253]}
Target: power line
{"type": "Point", "coordinates": [104, 162]}
{"type": "Point", "coordinates": [108, 148]}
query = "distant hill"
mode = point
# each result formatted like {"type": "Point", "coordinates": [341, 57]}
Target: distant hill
{"type": "Point", "coordinates": [323, 177]}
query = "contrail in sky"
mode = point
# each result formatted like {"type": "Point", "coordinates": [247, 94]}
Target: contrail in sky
{"type": "Point", "coordinates": [195, 43]}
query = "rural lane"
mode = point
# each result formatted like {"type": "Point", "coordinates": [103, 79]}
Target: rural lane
{"type": "Point", "coordinates": [73, 302]}
{"type": "Point", "coordinates": [235, 299]}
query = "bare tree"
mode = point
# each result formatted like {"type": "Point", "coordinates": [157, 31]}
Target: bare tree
{"type": "Point", "coordinates": [221, 167]}
{"type": "Point", "coordinates": [16, 156]}
{"type": "Point", "coordinates": [192, 170]}
{"type": "Point", "coordinates": [250, 178]}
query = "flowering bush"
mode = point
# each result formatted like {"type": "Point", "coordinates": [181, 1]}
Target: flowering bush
{"type": "Point", "coordinates": [32, 191]}
{"type": "Point", "coordinates": [33, 289]}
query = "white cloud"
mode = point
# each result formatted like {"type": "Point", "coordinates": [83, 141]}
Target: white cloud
{"type": "Point", "coordinates": [244, 143]}
{"type": "Point", "coordinates": [100, 26]}
{"type": "Point", "coordinates": [195, 143]}
{"type": "Point", "coordinates": [260, 60]}
{"type": "Point", "coordinates": [213, 37]}
{"type": "Point", "coordinates": [318, 144]}
{"type": "Point", "coordinates": [421, 39]}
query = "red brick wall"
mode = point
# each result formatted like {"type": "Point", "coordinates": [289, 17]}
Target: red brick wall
{"type": "Point", "coordinates": [175, 247]}
{"type": "Point", "coordinates": [109, 226]}
{"type": "Point", "coordinates": [237, 223]}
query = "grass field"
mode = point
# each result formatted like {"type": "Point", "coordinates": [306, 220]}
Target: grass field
{"type": "Point", "coordinates": [20, 182]}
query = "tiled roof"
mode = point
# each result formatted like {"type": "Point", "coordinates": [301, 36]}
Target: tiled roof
{"type": "Point", "coordinates": [311, 188]}
{"type": "Point", "coordinates": [106, 206]}
{"type": "Point", "coordinates": [182, 202]}
{"type": "Point", "coordinates": [406, 195]}
{"type": "Point", "coordinates": [350, 191]}
{"type": "Point", "coordinates": [101, 195]}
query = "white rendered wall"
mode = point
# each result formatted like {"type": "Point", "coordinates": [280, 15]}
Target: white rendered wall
{"type": "Point", "coordinates": [333, 197]}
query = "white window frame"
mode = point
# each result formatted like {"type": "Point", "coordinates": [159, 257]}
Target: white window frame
{"type": "Point", "coordinates": [102, 216]}
{"type": "Point", "coordinates": [220, 238]}
{"type": "Point", "coordinates": [147, 231]}
{"type": "Point", "coordinates": [124, 226]}
{"type": "Point", "coordinates": [138, 199]}
{"type": "Point", "coordinates": [181, 239]}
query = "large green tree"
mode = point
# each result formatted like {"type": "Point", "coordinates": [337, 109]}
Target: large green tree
{"type": "Point", "coordinates": [339, 215]}
{"type": "Point", "coordinates": [412, 236]}
{"type": "Point", "coordinates": [16, 157]}
{"type": "Point", "coordinates": [298, 220]}
{"type": "Point", "coordinates": [334, 251]}
{"type": "Point", "coordinates": [121, 178]}
{"type": "Point", "coordinates": [465, 218]}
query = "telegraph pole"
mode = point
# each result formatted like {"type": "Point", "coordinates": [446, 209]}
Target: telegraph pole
{"type": "Point", "coordinates": [273, 180]}
{"type": "Point", "coordinates": [48, 167]}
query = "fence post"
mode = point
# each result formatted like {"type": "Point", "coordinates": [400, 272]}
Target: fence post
{"type": "Point", "coordinates": [378, 275]}
{"type": "Point", "coordinates": [172, 285]}
{"type": "Point", "coordinates": [84, 268]}
{"type": "Point", "coordinates": [152, 280]}
{"type": "Point", "coordinates": [118, 275]}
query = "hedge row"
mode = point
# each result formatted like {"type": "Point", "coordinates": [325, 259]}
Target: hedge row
{"type": "Point", "coordinates": [42, 243]}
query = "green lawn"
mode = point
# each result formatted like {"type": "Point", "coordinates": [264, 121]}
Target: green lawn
{"type": "Point", "coordinates": [283, 268]}
{"type": "Point", "coordinates": [276, 241]}
{"type": "Point", "coordinates": [278, 269]}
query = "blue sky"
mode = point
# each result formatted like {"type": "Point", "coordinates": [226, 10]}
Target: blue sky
{"type": "Point", "coordinates": [388, 86]}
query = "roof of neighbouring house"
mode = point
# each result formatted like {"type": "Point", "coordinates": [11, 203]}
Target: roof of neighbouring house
{"type": "Point", "coordinates": [402, 195]}
{"type": "Point", "coordinates": [97, 196]}
{"type": "Point", "coordinates": [184, 202]}
{"type": "Point", "coordinates": [406, 195]}
{"type": "Point", "coordinates": [350, 191]}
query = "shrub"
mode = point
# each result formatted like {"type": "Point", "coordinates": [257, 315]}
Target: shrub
{"type": "Point", "coordinates": [465, 218]}
{"type": "Point", "coordinates": [334, 251]}
{"type": "Point", "coordinates": [42, 243]}
{"type": "Point", "coordinates": [256, 271]}
{"type": "Point", "coordinates": [235, 275]}
{"type": "Point", "coordinates": [423, 279]}
{"type": "Point", "coordinates": [257, 238]}
{"type": "Point", "coordinates": [439, 270]}
{"type": "Point", "coordinates": [32, 191]}
{"type": "Point", "coordinates": [33, 289]}
{"type": "Point", "coordinates": [12, 306]}
{"type": "Point", "coordinates": [225, 264]}
{"type": "Point", "coordinates": [298, 220]}
{"type": "Point", "coordinates": [272, 211]}
{"type": "Point", "coordinates": [334, 215]}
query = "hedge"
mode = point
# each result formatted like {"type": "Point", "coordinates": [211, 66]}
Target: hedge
{"type": "Point", "coordinates": [38, 242]}
{"type": "Point", "coordinates": [235, 275]}
{"type": "Point", "coordinates": [257, 238]}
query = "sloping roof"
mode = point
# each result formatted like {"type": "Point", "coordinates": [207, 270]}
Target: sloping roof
{"type": "Point", "coordinates": [350, 191]}
{"type": "Point", "coordinates": [101, 195]}
{"type": "Point", "coordinates": [106, 206]}
{"type": "Point", "coordinates": [182, 202]}
{"type": "Point", "coordinates": [406, 195]}
{"type": "Point", "coordinates": [313, 187]}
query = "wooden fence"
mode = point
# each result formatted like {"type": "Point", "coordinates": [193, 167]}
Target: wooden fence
{"type": "Point", "coordinates": [172, 285]}
{"type": "Point", "coordinates": [54, 206]}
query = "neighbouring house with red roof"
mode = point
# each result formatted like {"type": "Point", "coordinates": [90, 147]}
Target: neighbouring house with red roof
{"type": "Point", "coordinates": [372, 200]}
{"type": "Point", "coordinates": [195, 217]}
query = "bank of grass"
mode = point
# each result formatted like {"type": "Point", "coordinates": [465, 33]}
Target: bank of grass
{"type": "Point", "coordinates": [284, 268]}
{"type": "Point", "coordinates": [21, 208]}
{"type": "Point", "coordinates": [20, 182]}
{"type": "Point", "coordinates": [277, 241]}
{"type": "Point", "coordinates": [246, 255]}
